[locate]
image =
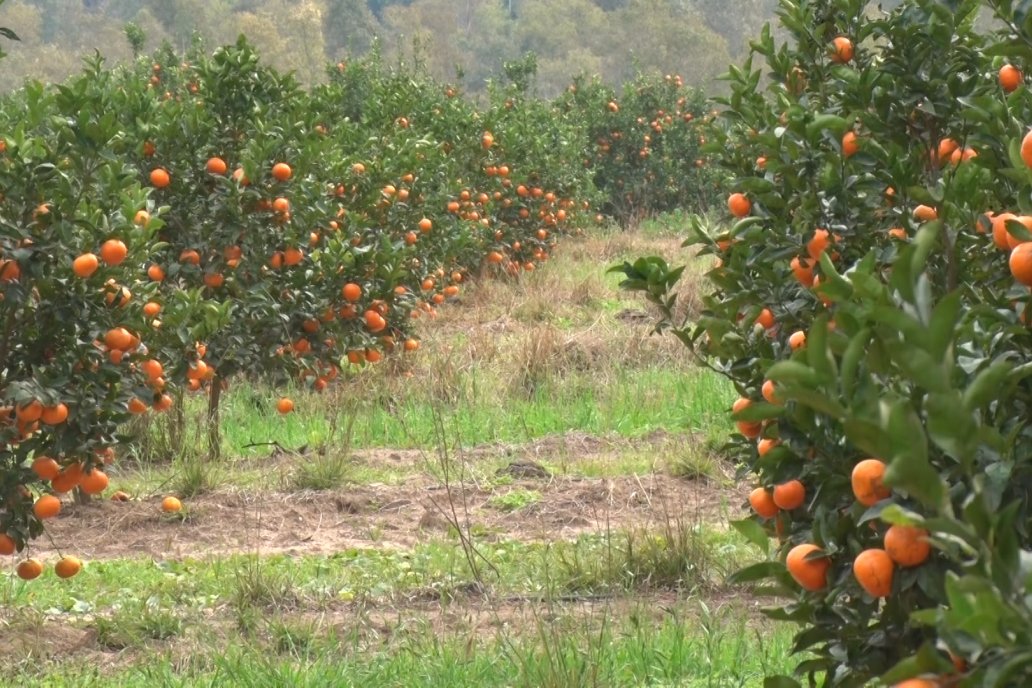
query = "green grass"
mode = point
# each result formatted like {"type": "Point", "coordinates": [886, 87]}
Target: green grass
{"type": "Point", "coordinates": [680, 553]}
{"type": "Point", "coordinates": [694, 649]}
{"type": "Point", "coordinates": [630, 403]}
{"type": "Point", "coordinates": [514, 500]}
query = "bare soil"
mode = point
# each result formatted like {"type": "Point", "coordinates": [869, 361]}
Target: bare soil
{"type": "Point", "coordinates": [397, 516]}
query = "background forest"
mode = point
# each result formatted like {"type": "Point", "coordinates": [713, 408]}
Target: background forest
{"type": "Point", "coordinates": [465, 41]}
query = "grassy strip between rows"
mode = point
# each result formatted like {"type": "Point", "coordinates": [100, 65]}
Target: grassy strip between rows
{"type": "Point", "coordinates": [695, 649]}
{"type": "Point", "coordinates": [680, 555]}
{"type": "Point", "coordinates": [276, 607]}
{"type": "Point", "coordinates": [633, 403]}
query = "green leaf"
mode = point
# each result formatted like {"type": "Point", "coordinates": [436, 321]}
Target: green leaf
{"type": "Point", "coordinates": [758, 411]}
{"type": "Point", "coordinates": [923, 244]}
{"type": "Point", "coordinates": [764, 569]}
{"type": "Point", "coordinates": [941, 329]}
{"type": "Point", "coordinates": [986, 385]}
{"type": "Point", "coordinates": [753, 532]}
{"type": "Point", "coordinates": [818, 355]}
{"type": "Point", "coordinates": [793, 372]}
{"type": "Point", "coordinates": [909, 469]}
{"type": "Point", "coordinates": [833, 285]}
{"type": "Point", "coordinates": [838, 125]}
{"type": "Point", "coordinates": [951, 426]}
{"type": "Point", "coordinates": [821, 403]}
{"type": "Point", "coordinates": [870, 437]}
{"type": "Point", "coordinates": [855, 351]}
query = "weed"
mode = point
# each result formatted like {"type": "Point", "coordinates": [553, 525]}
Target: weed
{"type": "Point", "coordinates": [514, 500]}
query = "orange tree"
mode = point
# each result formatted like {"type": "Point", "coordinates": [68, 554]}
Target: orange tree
{"type": "Point", "coordinates": [303, 228]}
{"type": "Point", "coordinates": [76, 228]}
{"type": "Point", "coordinates": [643, 145]}
{"type": "Point", "coordinates": [870, 304]}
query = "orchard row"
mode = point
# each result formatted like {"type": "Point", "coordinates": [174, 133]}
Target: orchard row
{"type": "Point", "coordinates": [170, 225]}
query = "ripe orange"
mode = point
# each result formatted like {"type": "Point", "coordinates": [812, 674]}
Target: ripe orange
{"type": "Point", "coordinates": [495, 257]}
{"type": "Point", "coordinates": [918, 683]}
{"type": "Point", "coordinates": [1001, 237]}
{"type": "Point", "coordinates": [867, 484]}
{"type": "Point", "coordinates": [750, 429]}
{"type": "Point", "coordinates": [281, 172]}
{"type": "Point", "coordinates": [898, 233]}
{"type": "Point", "coordinates": [425, 225]}
{"type": "Point", "coordinates": [46, 468]}
{"type": "Point", "coordinates": [137, 406]}
{"type": "Point", "coordinates": [762, 503]}
{"type": "Point", "coordinates": [850, 144]}
{"type": "Point", "coordinates": [151, 308]}
{"type": "Point", "coordinates": [47, 506]}
{"type": "Point", "coordinates": [842, 50]}
{"type": "Point", "coordinates": [374, 321]}
{"type": "Point", "coordinates": [1013, 241]}
{"type": "Point", "coordinates": [67, 566]}
{"type": "Point", "coordinates": [790, 495]}
{"type": "Point", "coordinates": [797, 340]}
{"type": "Point", "coordinates": [907, 545]}
{"type": "Point", "coordinates": [764, 446]}
{"type": "Point", "coordinates": [411, 345]}
{"type": "Point", "coordinates": [142, 218]}
{"type": "Point", "coordinates": [810, 574]}
{"type": "Point", "coordinates": [802, 268]}
{"type": "Point", "coordinates": [94, 482]}
{"type": "Point", "coordinates": [1026, 149]}
{"type": "Point", "coordinates": [171, 505]}
{"type": "Point", "coordinates": [285, 405]}
{"type": "Point", "coordinates": [281, 205]}
{"type": "Point", "coordinates": [946, 148]}
{"type": "Point", "coordinates": [152, 368]}
{"type": "Point", "coordinates": [85, 265]}
{"type": "Point", "coordinates": [768, 392]}
{"type": "Point", "coordinates": [216, 166]}
{"type": "Point", "coordinates": [1021, 263]}
{"type": "Point", "coordinates": [766, 319]}
{"type": "Point", "coordinates": [351, 292]}
{"type": "Point", "coordinates": [963, 155]}
{"type": "Point", "coordinates": [118, 338]}
{"type": "Point", "coordinates": [29, 569]}
{"type": "Point", "coordinates": [1010, 78]}
{"type": "Point", "coordinates": [30, 412]}
{"type": "Point", "coordinates": [54, 415]}
{"type": "Point", "coordinates": [156, 273]}
{"type": "Point", "coordinates": [487, 140]}
{"type": "Point", "coordinates": [873, 570]}
{"type": "Point", "coordinates": [7, 544]}
{"type": "Point", "coordinates": [120, 496]}
{"type": "Point", "coordinates": [818, 244]}
{"type": "Point", "coordinates": [924, 213]}
{"type": "Point", "coordinates": [159, 178]}
{"type": "Point", "coordinates": [739, 204]}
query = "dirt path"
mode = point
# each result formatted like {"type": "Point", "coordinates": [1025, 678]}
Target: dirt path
{"type": "Point", "coordinates": [376, 516]}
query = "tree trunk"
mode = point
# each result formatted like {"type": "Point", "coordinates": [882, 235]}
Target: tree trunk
{"type": "Point", "coordinates": [214, 434]}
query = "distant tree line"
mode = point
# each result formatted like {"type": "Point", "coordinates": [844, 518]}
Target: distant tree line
{"type": "Point", "coordinates": [464, 41]}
